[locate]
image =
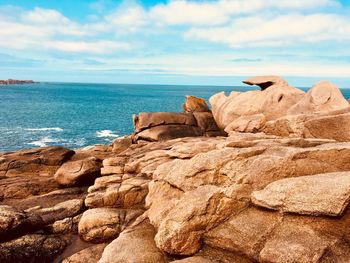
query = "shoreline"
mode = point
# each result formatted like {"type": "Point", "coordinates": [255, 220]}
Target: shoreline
{"type": "Point", "coordinates": [240, 181]}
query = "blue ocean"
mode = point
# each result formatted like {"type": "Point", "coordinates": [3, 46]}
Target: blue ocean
{"type": "Point", "coordinates": [76, 115]}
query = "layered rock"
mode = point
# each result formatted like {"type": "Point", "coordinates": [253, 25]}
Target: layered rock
{"type": "Point", "coordinates": [196, 120]}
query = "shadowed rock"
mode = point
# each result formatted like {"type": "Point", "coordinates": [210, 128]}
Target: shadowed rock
{"type": "Point", "coordinates": [81, 172]}
{"type": "Point", "coordinates": [14, 223]}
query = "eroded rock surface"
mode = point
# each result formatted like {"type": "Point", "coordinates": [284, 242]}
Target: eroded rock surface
{"type": "Point", "coordinates": [275, 189]}
{"type": "Point", "coordinates": [321, 194]}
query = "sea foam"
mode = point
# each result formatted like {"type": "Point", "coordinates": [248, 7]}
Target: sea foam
{"type": "Point", "coordinates": [106, 133]}
{"type": "Point", "coordinates": [44, 141]}
{"type": "Point", "coordinates": [45, 129]}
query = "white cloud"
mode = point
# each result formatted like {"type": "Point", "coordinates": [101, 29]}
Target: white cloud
{"type": "Point", "coordinates": [45, 16]}
{"type": "Point", "coordinates": [178, 12]}
{"type": "Point", "coordinates": [287, 29]}
{"type": "Point", "coordinates": [97, 47]}
{"type": "Point", "coordinates": [47, 29]}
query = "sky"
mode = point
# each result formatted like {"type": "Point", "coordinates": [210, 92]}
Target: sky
{"type": "Point", "coordinates": [202, 42]}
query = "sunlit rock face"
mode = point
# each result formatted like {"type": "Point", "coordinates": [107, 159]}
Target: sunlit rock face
{"type": "Point", "coordinates": [276, 188]}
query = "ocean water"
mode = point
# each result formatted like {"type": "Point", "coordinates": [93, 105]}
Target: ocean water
{"type": "Point", "coordinates": [76, 115]}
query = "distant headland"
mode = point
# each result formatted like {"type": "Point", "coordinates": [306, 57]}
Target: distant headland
{"type": "Point", "coordinates": [15, 81]}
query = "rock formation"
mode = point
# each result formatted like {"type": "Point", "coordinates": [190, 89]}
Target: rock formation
{"type": "Point", "coordinates": [15, 81]}
{"type": "Point", "coordinates": [276, 189]}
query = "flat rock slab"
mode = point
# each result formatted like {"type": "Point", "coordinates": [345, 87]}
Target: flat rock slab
{"type": "Point", "coordinates": [321, 194]}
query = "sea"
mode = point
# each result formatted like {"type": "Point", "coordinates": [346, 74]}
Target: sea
{"type": "Point", "coordinates": [75, 115]}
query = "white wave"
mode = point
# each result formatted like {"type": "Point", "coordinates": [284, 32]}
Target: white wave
{"type": "Point", "coordinates": [80, 142]}
{"type": "Point", "coordinates": [45, 129]}
{"type": "Point", "coordinates": [43, 141]}
{"type": "Point", "coordinates": [106, 133]}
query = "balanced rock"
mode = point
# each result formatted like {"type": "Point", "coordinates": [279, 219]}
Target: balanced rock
{"type": "Point", "coordinates": [321, 194]}
{"type": "Point", "coordinates": [102, 224]}
{"type": "Point", "coordinates": [194, 104]}
{"type": "Point", "coordinates": [81, 172]}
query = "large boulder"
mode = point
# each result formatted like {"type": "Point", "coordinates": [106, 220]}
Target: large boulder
{"type": "Point", "coordinates": [273, 101]}
{"type": "Point", "coordinates": [102, 224]}
{"type": "Point", "coordinates": [81, 172]}
{"type": "Point", "coordinates": [321, 194]}
{"type": "Point", "coordinates": [322, 97]}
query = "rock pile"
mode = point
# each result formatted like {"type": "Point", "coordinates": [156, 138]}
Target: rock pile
{"type": "Point", "coordinates": [272, 194]}
{"type": "Point", "coordinates": [196, 120]}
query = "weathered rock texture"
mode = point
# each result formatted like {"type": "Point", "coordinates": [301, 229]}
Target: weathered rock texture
{"type": "Point", "coordinates": [276, 189]}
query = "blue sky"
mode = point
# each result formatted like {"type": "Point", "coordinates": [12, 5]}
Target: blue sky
{"type": "Point", "coordinates": [175, 42]}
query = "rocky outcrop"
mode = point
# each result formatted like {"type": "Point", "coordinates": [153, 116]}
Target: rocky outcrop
{"type": "Point", "coordinates": [273, 101]}
{"type": "Point", "coordinates": [15, 81]}
{"type": "Point", "coordinates": [196, 120]}
{"type": "Point", "coordinates": [275, 189]}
